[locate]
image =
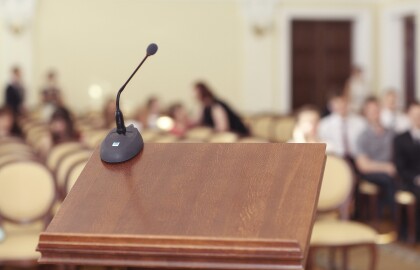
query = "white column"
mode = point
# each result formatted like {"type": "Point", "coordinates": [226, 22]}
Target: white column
{"type": "Point", "coordinates": [258, 55]}
{"type": "Point", "coordinates": [16, 19]}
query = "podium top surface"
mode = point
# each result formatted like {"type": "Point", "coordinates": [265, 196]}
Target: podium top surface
{"type": "Point", "coordinates": [257, 198]}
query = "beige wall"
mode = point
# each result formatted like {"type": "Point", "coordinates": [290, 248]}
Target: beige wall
{"type": "Point", "coordinates": [102, 41]}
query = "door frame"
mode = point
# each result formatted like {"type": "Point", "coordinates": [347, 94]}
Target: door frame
{"type": "Point", "coordinates": [391, 61]}
{"type": "Point", "coordinates": [361, 35]}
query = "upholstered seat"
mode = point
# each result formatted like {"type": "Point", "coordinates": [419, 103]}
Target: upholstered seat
{"type": "Point", "coordinates": [368, 188]}
{"type": "Point", "coordinates": [339, 233]}
{"type": "Point", "coordinates": [405, 198]}
{"type": "Point", "coordinates": [224, 137]}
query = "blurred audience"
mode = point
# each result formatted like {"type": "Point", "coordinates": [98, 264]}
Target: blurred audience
{"type": "Point", "coordinates": [61, 130]}
{"type": "Point", "coordinates": [149, 115]}
{"type": "Point", "coordinates": [181, 121]}
{"type": "Point", "coordinates": [108, 113]}
{"type": "Point", "coordinates": [341, 128]}
{"type": "Point", "coordinates": [217, 114]}
{"type": "Point", "coordinates": [15, 92]}
{"type": "Point", "coordinates": [306, 127]}
{"type": "Point", "coordinates": [356, 89]}
{"type": "Point", "coordinates": [391, 117]}
{"type": "Point", "coordinates": [374, 153]}
{"type": "Point", "coordinates": [407, 153]}
{"type": "Point", "coordinates": [8, 124]}
{"type": "Point", "coordinates": [50, 95]}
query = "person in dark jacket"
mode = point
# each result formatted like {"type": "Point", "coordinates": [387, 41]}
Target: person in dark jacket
{"type": "Point", "coordinates": [15, 92]}
{"type": "Point", "coordinates": [407, 152]}
{"type": "Point", "coordinates": [216, 113]}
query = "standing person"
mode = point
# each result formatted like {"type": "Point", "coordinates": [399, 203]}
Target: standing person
{"type": "Point", "coordinates": [15, 92]}
{"type": "Point", "coordinates": [356, 89]}
{"type": "Point", "coordinates": [374, 154]}
{"type": "Point", "coordinates": [341, 128]}
{"type": "Point", "coordinates": [215, 113]}
{"type": "Point", "coordinates": [391, 117]}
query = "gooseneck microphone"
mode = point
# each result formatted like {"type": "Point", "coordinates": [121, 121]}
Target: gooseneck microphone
{"type": "Point", "coordinates": [123, 143]}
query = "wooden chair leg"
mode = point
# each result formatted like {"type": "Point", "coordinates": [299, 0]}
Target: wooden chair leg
{"type": "Point", "coordinates": [331, 257]}
{"type": "Point", "coordinates": [310, 262]}
{"type": "Point", "coordinates": [411, 218]}
{"type": "Point", "coordinates": [373, 256]}
{"type": "Point", "coordinates": [374, 209]}
{"type": "Point", "coordinates": [398, 217]}
{"type": "Point", "coordinates": [345, 258]}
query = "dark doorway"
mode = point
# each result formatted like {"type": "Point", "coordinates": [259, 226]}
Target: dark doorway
{"type": "Point", "coordinates": [321, 60]}
{"type": "Point", "coordinates": [409, 59]}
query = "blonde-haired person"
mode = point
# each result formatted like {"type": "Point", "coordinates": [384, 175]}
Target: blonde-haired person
{"type": "Point", "coordinates": [306, 127]}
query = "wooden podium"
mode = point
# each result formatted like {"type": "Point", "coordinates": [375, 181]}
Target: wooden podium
{"type": "Point", "coordinates": [191, 206]}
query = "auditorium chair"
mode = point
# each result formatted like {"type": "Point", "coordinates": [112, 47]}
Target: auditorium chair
{"type": "Point", "coordinates": [252, 140]}
{"type": "Point", "coordinates": [95, 137]}
{"type": "Point", "coordinates": [199, 133]}
{"type": "Point", "coordinates": [59, 151]}
{"type": "Point", "coordinates": [283, 129]}
{"type": "Point", "coordinates": [64, 166]}
{"type": "Point", "coordinates": [262, 126]}
{"type": "Point", "coordinates": [166, 138]}
{"type": "Point", "coordinates": [339, 233]}
{"type": "Point", "coordinates": [27, 194]}
{"type": "Point", "coordinates": [16, 148]}
{"type": "Point", "coordinates": [223, 137]}
{"type": "Point", "coordinates": [369, 197]}
{"type": "Point", "coordinates": [149, 135]}
{"type": "Point", "coordinates": [73, 174]}
{"type": "Point", "coordinates": [407, 201]}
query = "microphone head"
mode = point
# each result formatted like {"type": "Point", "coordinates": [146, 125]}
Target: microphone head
{"type": "Point", "coordinates": [152, 49]}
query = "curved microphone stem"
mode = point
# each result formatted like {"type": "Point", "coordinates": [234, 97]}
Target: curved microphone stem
{"type": "Point", "coordinates": [119, 118]}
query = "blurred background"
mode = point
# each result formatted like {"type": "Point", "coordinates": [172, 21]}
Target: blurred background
{"type": "Point", "coordinates": [340, 72]}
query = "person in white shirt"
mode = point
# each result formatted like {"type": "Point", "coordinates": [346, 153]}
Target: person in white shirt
{"type": "Point", "coordinates": [341, 128]}
{"type": "Point", "coordinates": [391, 117]}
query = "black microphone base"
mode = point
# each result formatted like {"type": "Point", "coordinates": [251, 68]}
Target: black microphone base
{"type": "Point", "coordinates": [117, 148]}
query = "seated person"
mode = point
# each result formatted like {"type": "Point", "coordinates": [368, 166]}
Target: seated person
{"type": "Point", "coordinates": [217, 114]}
{"type": "Point", "coordinates": [306, 127]}
{"type": "Point", "coordinates": [62, 130]}
{"type": "Point", "coordinates": [149, 115]}
{"type": "Point", "coordinates": [8, 124]}
{"type": "Point", "coordinates": [374, 154]}
{"type": "Point", "coordinates": [407, 154]}
{"type": "Point", "coordinates": [391, 117]}
{"type": "Point", "coordinates": [181, 122]}
{"type": "Point", "coordinates": [341, 128]}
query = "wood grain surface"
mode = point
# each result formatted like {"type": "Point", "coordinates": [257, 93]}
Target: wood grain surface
{"type": "Point", "coordinates": [201, 206]}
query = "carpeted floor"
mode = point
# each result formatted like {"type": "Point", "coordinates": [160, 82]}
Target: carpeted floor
{"type": "Point", "coordinates": [393, 256]}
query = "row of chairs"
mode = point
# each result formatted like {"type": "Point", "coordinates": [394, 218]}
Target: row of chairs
{"type": "Point", "coordinates": [271, 127]}
{"type": "Point", "coordinates": [28, 194]}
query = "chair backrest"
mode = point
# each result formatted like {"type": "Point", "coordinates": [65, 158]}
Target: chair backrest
{"type": "Point", "coordinates": [19, 156]}
{"type": "Point", "coordinates": [27, 191]}
{"type": "Point", "coordinates": [262, 126]}
{"type": "Point", "coordinates": [95, 138]}
{"type": "Point", "coordinates": [199, 133]}
{"type": "Point", "coordinates": [224, 137]}
{"type": "Point", "coordinates": [337, 186]}
{"type": "Point", "coordinates": [73, 174]}
{"type": "Point", "coordinates": [283, 128]}
{"type": "Point", "coordinates": [252, 140]}
{"type": "Point", "coordinates": [168, 138]}
{"type": "Point", "coordinates": [67, 162]}
{"type": "Point", "coordinates": [59, 151]}
{"type": "Point", "coordinates": [149, 135]}
{"type": "Point", "coordinates": [8, 148]}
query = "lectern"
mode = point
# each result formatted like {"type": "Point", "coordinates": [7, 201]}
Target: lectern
{"type": "Point", "coordinates": [191, 206]}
